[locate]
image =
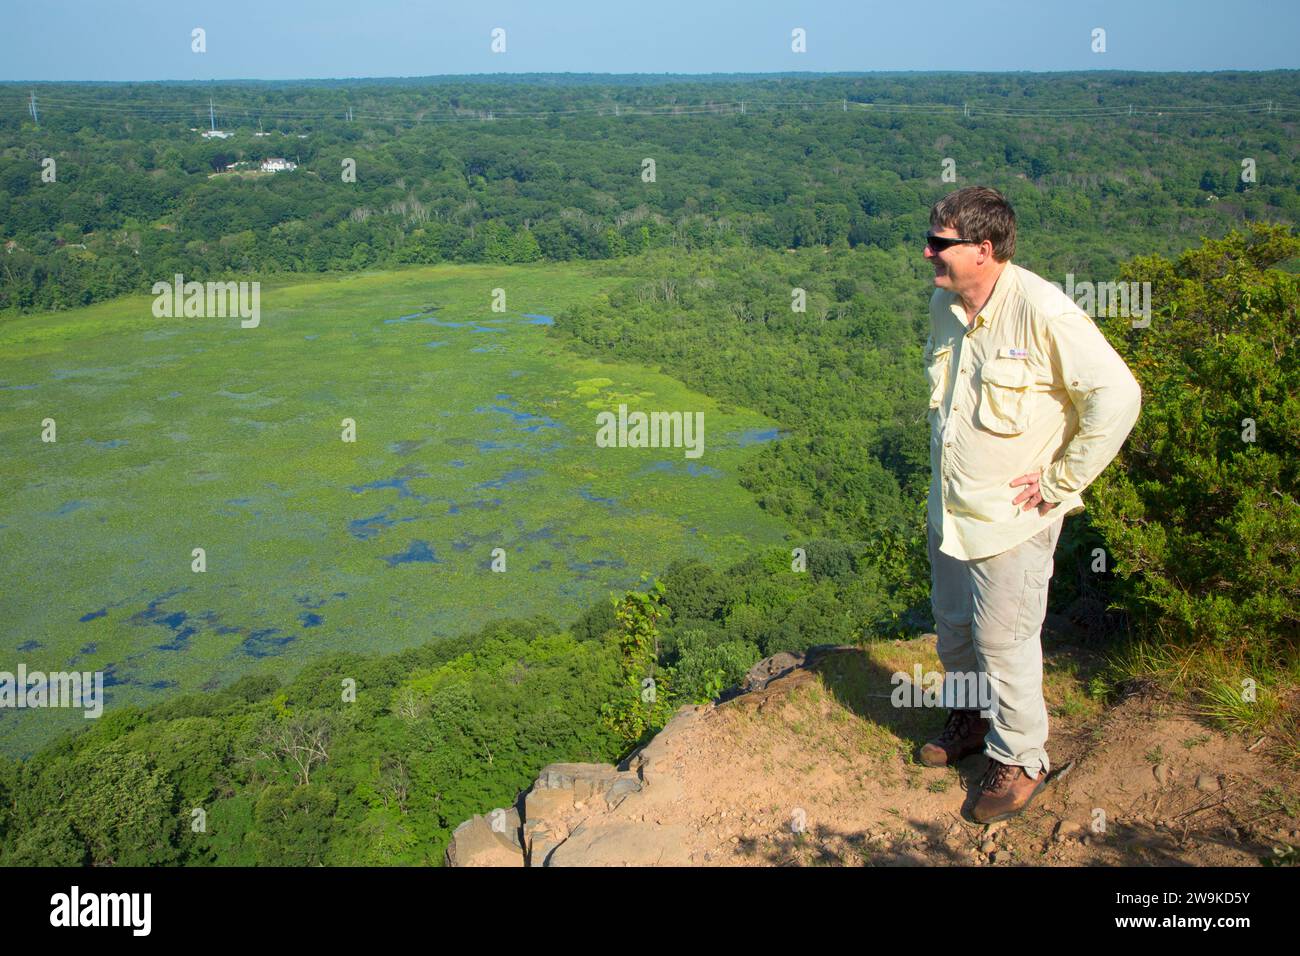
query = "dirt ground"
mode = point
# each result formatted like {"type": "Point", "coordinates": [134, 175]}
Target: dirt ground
{"type": "Point", "coordinates": [819, 768]}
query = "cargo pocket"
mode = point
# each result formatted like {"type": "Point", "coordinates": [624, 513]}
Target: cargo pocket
{"type": "Point", "coordinates": [1033, 604]}
{"type": "Point", "coordinates": [936, 371]}
{"type": "Point", "coordinates": [1004, 395]}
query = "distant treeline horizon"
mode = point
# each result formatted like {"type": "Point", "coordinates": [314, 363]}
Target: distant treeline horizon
{"type": "Point", "coordinates": [116, 188]}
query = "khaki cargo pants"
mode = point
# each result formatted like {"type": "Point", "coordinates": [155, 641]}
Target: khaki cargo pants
{"type": "Point", "coordinates": [988, 615]}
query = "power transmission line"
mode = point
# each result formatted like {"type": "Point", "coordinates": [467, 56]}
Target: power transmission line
{"type": "Point", "coordinates": [160, 111]}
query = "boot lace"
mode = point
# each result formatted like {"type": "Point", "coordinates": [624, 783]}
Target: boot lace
{"type": "Point", "coordinates": [998, 775]}
{"type": "Point", "coordinates": [956, 728]}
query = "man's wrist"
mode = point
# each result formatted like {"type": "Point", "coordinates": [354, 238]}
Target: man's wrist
{"type": "Point", "coordinates": [1045, 490]}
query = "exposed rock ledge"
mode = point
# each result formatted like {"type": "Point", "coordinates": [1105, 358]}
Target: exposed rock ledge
{"type": "Point", "coordinates": [567, 817]}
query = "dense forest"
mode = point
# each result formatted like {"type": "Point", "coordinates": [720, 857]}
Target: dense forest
{"type": "Point", "coordinates": [1099, 168]}
{"type": "Point", "coordinates": [822, 184]}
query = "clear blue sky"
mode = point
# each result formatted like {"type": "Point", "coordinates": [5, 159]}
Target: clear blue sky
{"type": "Point", "coordinates": [289, 39]}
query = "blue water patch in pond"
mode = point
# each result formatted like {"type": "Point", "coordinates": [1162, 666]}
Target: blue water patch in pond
{"type": "Point", "coordinates": [517, 474]}
{"type": "Point", "coordinates": [169, 395]}
{"type": "Point", "coordinates": [407, 446]}
{"type": "Point", "coordinates": [16, 388]}
{"type": "Point", "coordinates": [92, 615]}
{"type": "Point", "coordinates": [311, 601]}
{"type": "Point", "coordinates": [265, 643]}
{"type": "Point", "coordinates": [502, 397]}
{"type": "Point", "coordinates": [181, 624]}
{"type": "Point", "coordinates": [517, 416]}
{"type": "Point", "coordinates": [367, 528]}
{"type": "Point", "coordinates": [755, 436]}
{"type": "Point", "coordinates": [416, 551]}
{"type": "Point", "coordinates": [539, 319]}
{"type": "Point", "coordinates": [496, 445]}
{"type": "Point", "coordinates": [457, 463]}
{"type": "Point", "coordinates": [539, 421]}
{"type": "Point", "coordinates": [111, 443]}
{"type": "Point", "coordinates": [434, 345]}
{"type": "Point", "coordinates": [181, 632]}
{"type": "Point", "coordinates": [584, 566]}
{"type": "Point", "coordinates": [30, 646]}
{"type": "Point", "coordinates": [312, 338]}
{"type": "Point", "coordinates": [487, 328]}
{"type": "Point", "coordinates": [398, 483]}
{"type": "Point", "coordinates": [309, 619]}
{"type": "Point", "coordinates": [596, 498]}
{"type": "Point", "coordinates": [69, 506]}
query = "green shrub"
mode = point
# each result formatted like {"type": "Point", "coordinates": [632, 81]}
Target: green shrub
{"type": "Point", "coordinates": [1202, 522]}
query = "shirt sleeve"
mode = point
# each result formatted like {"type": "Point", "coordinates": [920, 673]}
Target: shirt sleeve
{"type": "Point", "coordinates": [1105, 394]}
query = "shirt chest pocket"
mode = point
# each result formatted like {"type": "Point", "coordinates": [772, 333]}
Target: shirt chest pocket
{"type": "Point", "coordinates": [1005, 403]}
{"type": "Point", "coordinates": [936, 370]}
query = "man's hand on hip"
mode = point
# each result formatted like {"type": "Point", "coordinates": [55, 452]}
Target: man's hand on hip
{"type": "Point", "coordinates": [1031, 496]}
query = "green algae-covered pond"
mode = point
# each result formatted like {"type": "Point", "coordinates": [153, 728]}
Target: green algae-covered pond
{"type": "Point", "coordinates": [474, 432]}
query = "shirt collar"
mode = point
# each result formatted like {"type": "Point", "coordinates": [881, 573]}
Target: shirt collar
{"type": "Point", "coordinates": [986, 315]}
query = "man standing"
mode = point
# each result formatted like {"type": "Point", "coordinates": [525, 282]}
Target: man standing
{"type": "Point", "coordinates": [1028, 403]}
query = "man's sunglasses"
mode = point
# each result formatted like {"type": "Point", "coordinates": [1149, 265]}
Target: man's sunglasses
{"type": "Point", "coordinates": [940, 243]}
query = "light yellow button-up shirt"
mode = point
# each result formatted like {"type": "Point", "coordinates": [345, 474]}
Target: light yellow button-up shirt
{"type": "Point", "coordinates": [1031, 385]}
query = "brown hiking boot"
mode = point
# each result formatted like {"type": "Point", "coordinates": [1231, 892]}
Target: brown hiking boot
{"type": "Point", "coordinates": [961, 736]}
{"type": "Point", "coordinates": [1005, 790]}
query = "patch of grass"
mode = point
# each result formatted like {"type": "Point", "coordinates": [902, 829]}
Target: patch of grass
{"type": "Point", "coordinates": [1237, 705]}
{"type": "Point", "coordinates": [1275, 799]}
{"type": "Point", "coordinates": [1235, 693]}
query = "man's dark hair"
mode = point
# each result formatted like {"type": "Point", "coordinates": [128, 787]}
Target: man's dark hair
{"type": "Point", "coordinates": [979, 213]}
